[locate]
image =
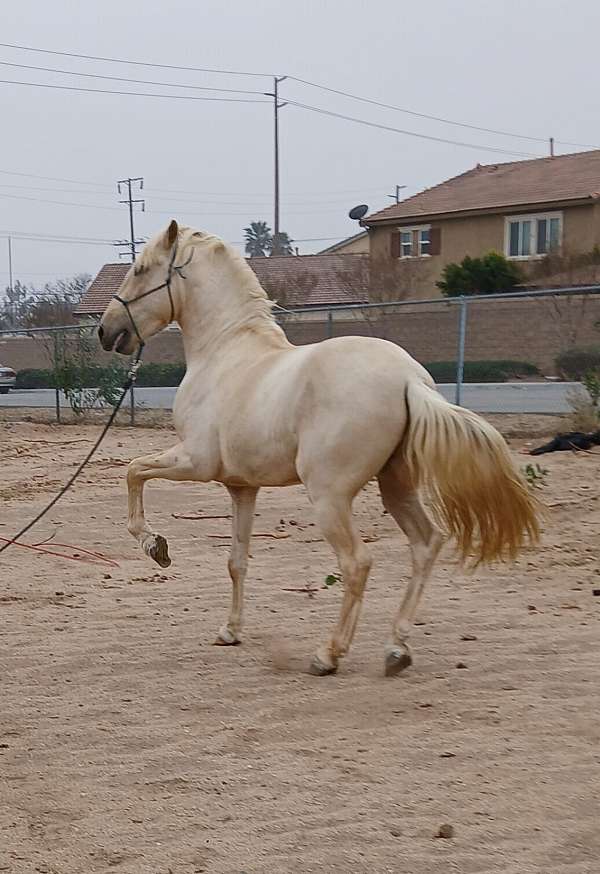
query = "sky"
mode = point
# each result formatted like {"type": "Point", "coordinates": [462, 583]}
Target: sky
{"type": "Point", "coordinates": [527, 69]}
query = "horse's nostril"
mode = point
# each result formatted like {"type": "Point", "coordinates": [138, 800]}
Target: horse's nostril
{"type": "Point", "coordinates": [100, 332]}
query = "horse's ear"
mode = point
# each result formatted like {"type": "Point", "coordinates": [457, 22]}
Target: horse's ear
{"type": "Point", "coordinates": [171, 234]}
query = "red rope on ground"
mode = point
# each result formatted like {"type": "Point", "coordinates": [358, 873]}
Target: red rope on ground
{"type": "Point", "coordinates": [89, 557]}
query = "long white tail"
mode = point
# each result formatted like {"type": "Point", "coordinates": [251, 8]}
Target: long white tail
{"type": "Point", "coordinates": [474, 488]}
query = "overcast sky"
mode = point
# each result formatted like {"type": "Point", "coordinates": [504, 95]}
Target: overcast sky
{"type": "Point", "coordinates": [528, 68]}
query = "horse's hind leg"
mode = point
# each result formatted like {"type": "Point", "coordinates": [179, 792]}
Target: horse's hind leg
{"type": "Point", "coordinates": [334, 516]}
{"type": "Point", "coordinates": [174, 464]}
{"type": "Point", "coordinates": [425, 539]}
{"type": "Point", "coordinates": [243, 501]}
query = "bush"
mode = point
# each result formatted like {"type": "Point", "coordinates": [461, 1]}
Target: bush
{"type": "Point", "coordinates": [490, 274]}
{"type": "Point", "coordinates": [482, 371]}
{"type": "Point", "coordinates": [35, 378]}
{"type": "Point", "coordinates": [575, 363]}
{"type": "Point", "coordinates": [95, 375]}
{"type": "Point", "coordinates": [160, 374]}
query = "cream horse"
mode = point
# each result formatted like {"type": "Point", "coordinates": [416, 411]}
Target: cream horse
{"type": "Point", "coordinates": [253, 410]}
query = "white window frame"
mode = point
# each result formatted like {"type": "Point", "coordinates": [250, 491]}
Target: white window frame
{"type": "Point", "coordinates": [533, 218]}
{"type": "Point", "coordinates": [411, 230]}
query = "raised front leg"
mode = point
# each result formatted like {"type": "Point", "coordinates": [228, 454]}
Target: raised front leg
{"type": "Point", "coordinates": [173, 464]}
{"type": "Point", "coordinates": [243, 501]}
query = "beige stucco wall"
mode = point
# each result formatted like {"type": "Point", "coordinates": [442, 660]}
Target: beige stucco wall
{"type": "Point", "coordinates": [358, 246]}
{"type": "Point", "coordinates": [473, 235]}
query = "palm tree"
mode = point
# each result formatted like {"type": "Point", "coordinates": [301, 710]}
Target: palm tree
{"type": "Point", "coordinates": [280, 244]}
{"type": "Point", "coordinates": [258, 239]}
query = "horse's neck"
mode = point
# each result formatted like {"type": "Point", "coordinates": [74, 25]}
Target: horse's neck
{"type": "Point", "coordinates": [220, 318]}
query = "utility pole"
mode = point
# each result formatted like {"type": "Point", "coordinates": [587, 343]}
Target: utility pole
{"type": "Point", "coordinates": [396, 196]}
{"type": "Point", "coordinates": [551, 147]}
{"type": "Point", "coordinates": [10, 282]}
{"type": "Point", "coordinates": [130, 201]}
{"type": "Point", "coordinates": [10, 276]}
{"type": "Point", "coordinates": [276, 107]}
{"type": "Point", "coordinates": [131, 244]}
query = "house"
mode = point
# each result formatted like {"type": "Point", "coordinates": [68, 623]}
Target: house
{"type": "Point", "coordinates": [357, 244]}
{"type": "Point", "coordinates": [525, 209]}
{"type": "Point", "coordinates": [292, 280]}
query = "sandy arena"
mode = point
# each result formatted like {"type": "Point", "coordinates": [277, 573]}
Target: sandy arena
{"type": "Point", "coordinates": [130, 744]}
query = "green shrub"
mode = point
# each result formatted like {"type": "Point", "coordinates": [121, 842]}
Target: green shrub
{"type": "Point", "coordinates": [490, 274]}
{"type": "Point", "coordinates": [160, 374]}
{"type": "Point", "coordinates": [575, 363]}
{"type": "Point", "coordinates": [35, 378]}
{"type": "Point", "coordinates": [94, 376]}
{"type": "Point", "coordinates": [482, 371]}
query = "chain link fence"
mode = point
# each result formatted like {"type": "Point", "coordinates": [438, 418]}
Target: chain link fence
{"type": "Point", "coordinates": [528, 341]}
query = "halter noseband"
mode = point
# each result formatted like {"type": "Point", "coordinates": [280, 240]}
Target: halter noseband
{"type": "Point", "coordinates": [173, 268]}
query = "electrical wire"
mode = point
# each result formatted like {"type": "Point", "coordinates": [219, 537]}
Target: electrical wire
{"type": "Point", "coordinates": [132, 93]}
{"type": "Point", "coordinates": [437, 118]}
{"type": "Point", "coordinates": [7, 45]}
{"type": "Point", "coordinates": [409, 133]}
{"type": "Point", "coordinates": [298, 79]}
{"type": "Point", "coordinates": [123, 79]}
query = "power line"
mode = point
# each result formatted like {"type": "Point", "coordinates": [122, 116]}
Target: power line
{"type": "Point", "coordinates": [58, 202]}
{"type": "Point", "coordinates": [437, 118]}
{"type": "Point", "coordinates": [122, 79]}
{"type": "Point", "coordinates": [206, 213]}
{"type": "Point", "coordinates": [348, 191]}
{"type": "Point", "coordinates": [298, 79]}
{"type": "Point", "coordinates": [55, 179]}
{"type": "Point", "coordinates": [7, 45]}
{"type": "Point", "coordinates": [132, 93]}
{"type": "Point", "coordinates": [35, 238]}
{"type": "Point", "coordinates": [192, 200]}
{"type": "Point", "coordinates": [410, 133]}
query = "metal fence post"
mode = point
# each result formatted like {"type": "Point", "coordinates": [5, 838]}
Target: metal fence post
{"type": "Point", "coordinates": [329, 324]}
{"type": "Point", "coordinates": [56, 388]}
{"type": "Point", "coordinates": [460, 358]}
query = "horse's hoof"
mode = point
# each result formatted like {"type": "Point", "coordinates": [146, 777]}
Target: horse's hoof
{"type": "Point", "coordinates": [397, 660]}
{"type": "Point", "coordinates": [319, 668]}
{"type": "Point", "coordinates": [225, 637]}
{"type": "Point", "coordinates": [159, 551]}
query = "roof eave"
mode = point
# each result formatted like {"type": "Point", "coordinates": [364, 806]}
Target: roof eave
{"type": "Point", "coordinates": [488, 210]}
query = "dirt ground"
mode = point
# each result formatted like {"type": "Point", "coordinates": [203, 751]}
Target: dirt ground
{"type": "Point", "coordinates": [130, 744]}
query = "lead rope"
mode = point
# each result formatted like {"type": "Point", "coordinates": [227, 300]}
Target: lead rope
{"type": "Point", "coordinates": [131, 377]}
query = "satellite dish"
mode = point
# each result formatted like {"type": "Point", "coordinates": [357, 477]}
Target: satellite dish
{"type": "Point", "coordinates": [357, 212]}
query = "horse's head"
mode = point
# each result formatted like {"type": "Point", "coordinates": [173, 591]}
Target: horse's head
{"type": "Point", "coordinates": [144, 304]}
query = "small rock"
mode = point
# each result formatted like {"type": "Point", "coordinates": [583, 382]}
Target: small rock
{"type": "Point", "coordinates": [596, 592]}
{"type": "Point", "coordinates": [395, 833]}
{"type": "Point", "coordinates": [468, 637]}
{"type": "Point", "coordinates": [447, 755]}
{"type": "Point", "coordinates": [445, 831]}
{"type": "Point", "coordinates": [106, 577]}
{"type": "Point", "coordinates": [461, 666]}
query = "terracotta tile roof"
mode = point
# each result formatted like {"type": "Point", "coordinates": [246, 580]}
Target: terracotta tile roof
{"type": "Point", "coordinates": [500, 186]}
{"type": "Point", "coordinates": [294, 280]}
{"type": "Point", "coordinates": [107, 282]}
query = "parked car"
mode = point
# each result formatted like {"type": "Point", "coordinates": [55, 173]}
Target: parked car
{"type": "Point", "coordinates": [8, 379]}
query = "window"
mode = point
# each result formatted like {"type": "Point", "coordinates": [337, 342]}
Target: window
{"type": "Point", "coordinates": [415, 242]}
{"type": "Point", "coordinates": [406, 244]}
{"type": "Point", "coordinates": [533, 235]}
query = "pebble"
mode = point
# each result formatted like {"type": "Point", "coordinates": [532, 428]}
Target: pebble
{"type": "Point", "coordinates": [445, 831]}
{"type": "Point", "coordinates": [461, 665]}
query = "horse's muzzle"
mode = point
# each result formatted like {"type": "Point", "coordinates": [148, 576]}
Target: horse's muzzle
{"type": "Point", "coordinates": [120, 341]}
